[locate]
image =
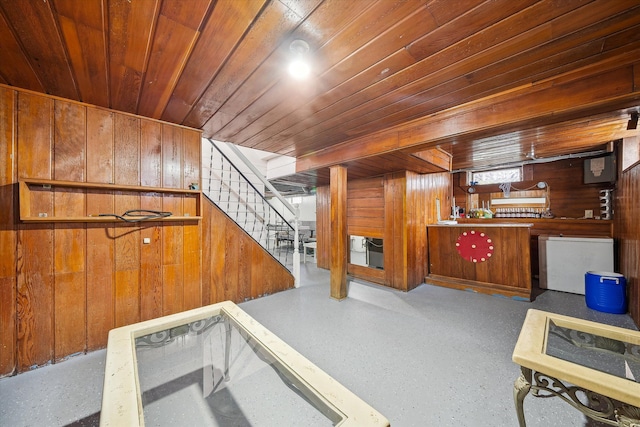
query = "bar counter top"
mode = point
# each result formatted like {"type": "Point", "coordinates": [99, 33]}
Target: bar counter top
{"type": "Point", "coordinates": [482, 224]}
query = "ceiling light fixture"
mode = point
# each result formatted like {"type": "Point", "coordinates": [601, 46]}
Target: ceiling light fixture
{"type": "Point", "coordinates": [632, 124]}
{"type": "Point", "coordinates": [299, 67]}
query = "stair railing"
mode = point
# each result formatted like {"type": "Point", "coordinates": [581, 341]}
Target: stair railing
{"type": "Point", "coordinates": [227, 187]}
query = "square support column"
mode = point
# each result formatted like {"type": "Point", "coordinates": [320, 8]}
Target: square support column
{"type": "Point", "coordinates": [338, 250]}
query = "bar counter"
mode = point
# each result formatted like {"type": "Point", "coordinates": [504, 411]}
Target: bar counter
{"type": "Point", "coordinates": [492, 258]}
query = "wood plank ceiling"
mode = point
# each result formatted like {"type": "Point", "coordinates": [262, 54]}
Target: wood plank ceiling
{"type": "Point", "coordinates": [390, 78]}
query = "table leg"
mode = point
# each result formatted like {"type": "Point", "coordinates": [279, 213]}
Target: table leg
{"type": "Point", "coordinates": [628, 416]}
{"type": "Point", "coordinates": [521, 388]}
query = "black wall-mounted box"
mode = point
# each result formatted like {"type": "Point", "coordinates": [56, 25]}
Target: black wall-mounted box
{"type": "Point", "coordinates": [600, 169]}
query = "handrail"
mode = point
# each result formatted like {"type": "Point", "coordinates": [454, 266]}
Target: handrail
{"type": "Point", "coordinates": [262, 179]}
{"type": "Point", "coordinates": [293, 209]}
{"type": "Point", "coordinates": [259, 175]}
{"type": "Point", "coordinates": [239, 198]}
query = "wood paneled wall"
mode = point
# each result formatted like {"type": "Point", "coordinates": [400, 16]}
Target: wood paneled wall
{"type": "Point", "coordinates": [235, 267]}
{"type": "Point", "coordinates": [422, 192]}
{"type": "Point", "coordinates": [627, 234]}
{"type": "Point", "coordinates": [570, 197]}
{"type": "Point", "coordinates": [63, 286]}
{"type": "Point", "coordinates": [396, 207]}
{"type": "Point", "coordinates": [365, 207]}
{"type": "Point", "coordinates": [323, 226]}
{"type": "Point", "coordinates": [507, 272]}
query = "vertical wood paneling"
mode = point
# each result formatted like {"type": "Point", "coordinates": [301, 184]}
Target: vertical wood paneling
{"type": "Point", "coordinates": [627, 234]}
{"type": "Point", "coordinates": [192, 149]}
{"type": "Point", "coordinates": [500, 267]}
{"type": "Point", "coordinates": [127, 274]}
{"type": "Point", "coordinates": [70, 141]}
{"type": "Point", "coordinates": [127, 237]}
{"type": "Point", "coordinates": [404, 207]}
{"type": "Point", "coordinates": [323, 227]}
{"type": "Point", "coordinates": [236, 265]}
{"type": "Point", "coordinates": [100, 252]}
{"type": "Point", "coordinates": [172, 272]}
{"type": "Point", "coordinates": [192, 266]}
{"type": "Point", "coordinates": [172, 289]}
{"type": "Point", "coordinates": [100, 284]}
{"type": "Point", "coordinates": [99, 146]}
{"type": "Point", "coordinates": [395, 230]}
{"type": "Point", "coordinates": [151, 152]}
{"type": "Point", "coordinates": [207, 253]}
{"type": "Point", "coordinates": [217, 253]}
{"type": "Point", "coordinates": [8, 325]}
{"type": "Point", "coordinates": [246, 250]}
{"type": "Point", "coordinates": [70, 244]}
{"type": "Point", "coordinates": [35, 133]}
{"type": "Point", "coordinates": [416, 254]}
{"type": "Point", "coordinates": [8, 243]}
{"type": "Point", "coordinates": [365, 207]}
{"type": "Point", "coordinates": [127, 150]}
{"type": "Point", "coordinates": [390, 247]}
{"type": "Point", "coordinates": [35, 242]}
{"type": "Point", "coordinates": [171, 156]}
{"type": "Point", "coordinates": [231, 269]}
{"type": "Point", "coordinates": [70, 313]}
{"type": "Point", "coordinates": [172, 250]}
{"type": "Point", "coordinates": [151, 271]}
{"type": "Point", "coordinates": [70, 289]}
{"type": "Point", "coordinates": [422, 190]}
{"type": "Point", "coordinates": [35, 295]}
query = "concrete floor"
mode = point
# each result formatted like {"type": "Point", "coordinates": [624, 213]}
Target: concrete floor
{"type": "Point", "coordinates": [430, 357]}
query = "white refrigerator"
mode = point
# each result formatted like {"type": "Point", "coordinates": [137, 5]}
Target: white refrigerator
{"type": "Point", "coordinates": [565, 260]}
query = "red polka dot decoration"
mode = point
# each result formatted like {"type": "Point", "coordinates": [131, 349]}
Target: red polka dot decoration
{"type": "Point", "coordinates": [474, 246]}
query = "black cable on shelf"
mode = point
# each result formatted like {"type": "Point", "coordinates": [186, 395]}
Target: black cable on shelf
{"type": "Point", "coordinates": [138, 215]}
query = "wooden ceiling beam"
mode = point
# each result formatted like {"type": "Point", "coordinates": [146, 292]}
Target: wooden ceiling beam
{"type": "Point", "coordinates": [585, 92]}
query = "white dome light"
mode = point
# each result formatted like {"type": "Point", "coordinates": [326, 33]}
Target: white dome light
{"type": "Point", "coordinates": [298, 69]}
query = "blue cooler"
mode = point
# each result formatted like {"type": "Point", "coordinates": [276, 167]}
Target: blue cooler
{"type": "Point", "coordinates": [606, 291]}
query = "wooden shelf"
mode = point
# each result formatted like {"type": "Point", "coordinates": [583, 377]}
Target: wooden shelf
{"type": "Point", "coordinates": [107, 219]}
{"type": "Point", "coordinates": [38, 205]}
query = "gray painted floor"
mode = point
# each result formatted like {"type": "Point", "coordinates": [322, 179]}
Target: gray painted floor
{"type": "Point", "coordinates": [430, 357]}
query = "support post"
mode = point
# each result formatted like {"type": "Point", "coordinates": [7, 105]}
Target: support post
{"type": "Point", "coordinates": [338, 250]}
{"type": "Point", "coordinates": [296, 247]}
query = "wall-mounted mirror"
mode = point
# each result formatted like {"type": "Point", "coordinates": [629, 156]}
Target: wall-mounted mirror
{"type": "Point", "coordinates": [366, 251]}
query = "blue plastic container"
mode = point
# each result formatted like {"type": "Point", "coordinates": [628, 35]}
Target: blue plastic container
{"type": "Point", "coordinates": [606, 291]}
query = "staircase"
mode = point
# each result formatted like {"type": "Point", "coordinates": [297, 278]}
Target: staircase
{"type": "Point", "coordinates": [240, 194]}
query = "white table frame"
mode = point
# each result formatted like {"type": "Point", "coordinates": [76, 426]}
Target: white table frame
{"type": "Point", "coordinates": [121, 398]}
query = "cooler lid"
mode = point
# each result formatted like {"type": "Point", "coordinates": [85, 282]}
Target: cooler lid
{"type": "Point", "coordinates": [580, 239]}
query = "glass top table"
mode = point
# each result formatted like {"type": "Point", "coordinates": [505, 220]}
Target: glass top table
{"type": "Point", "coordinates": [592, 366]}
{"type": "Point", "coordinates": [217, 366]}
{"type": "Point", "coordinates": [612, 356]}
